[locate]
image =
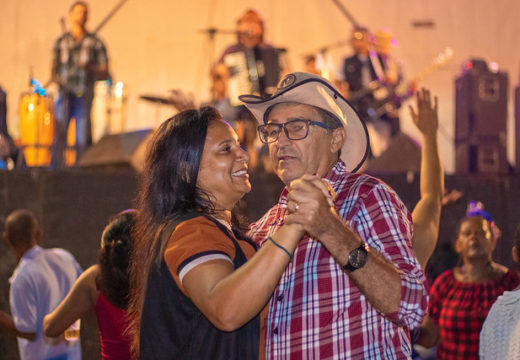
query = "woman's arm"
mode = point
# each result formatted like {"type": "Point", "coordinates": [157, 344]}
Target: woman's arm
{"type": "Point", "coordinates": [78, 302]}
{"type": "Point", "coordinates": [429, 333]}
{"type": "Point", "coordinates": [426, 214]}
{"type": "Point", "coordinates": [228, 297]}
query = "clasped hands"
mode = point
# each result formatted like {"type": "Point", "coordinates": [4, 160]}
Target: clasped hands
{"type": "Point", "coordinates": [310, 204]}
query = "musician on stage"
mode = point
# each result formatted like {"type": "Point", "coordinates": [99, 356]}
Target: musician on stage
{"type": "Point", "coordinates": [369, 78]}
{"type": "Point", "coordinates": [250, 59]}
{"type": "Point", "coordinates": [79, 59]}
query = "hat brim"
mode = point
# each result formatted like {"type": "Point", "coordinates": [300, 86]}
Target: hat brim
{"type": "Point", "coordinates": [316, 92]}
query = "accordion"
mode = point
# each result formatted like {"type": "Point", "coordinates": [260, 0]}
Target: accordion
{"type": "Point", "coordinates": [253, 71]}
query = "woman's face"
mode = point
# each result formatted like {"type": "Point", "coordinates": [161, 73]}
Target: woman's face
{"type": "Point", "coordinates": [475, 239]}
{"type": "Point", "coordinates": [223, 167]}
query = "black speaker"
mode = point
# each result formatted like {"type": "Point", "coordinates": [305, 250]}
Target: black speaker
{"type": "Point", "coordinates": [118, 150]}
{"type": "Point", "coordinates": [481, 121]}
{"type": "Point", "coordinates": [402, 155]}
{"type": "Point", "coordinates": [517, 129]}
{"type": "Point", "coordinates": [3, 112]}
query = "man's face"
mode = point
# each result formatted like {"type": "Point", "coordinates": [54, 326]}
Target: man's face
{"type": "Point", "coordinates": [250, 30]}
{"type": "Point", "coordinates": [360, 42]}
{"type": "Point", "coordinates": [79, 15]}
{"type": "Point", "coordinates": [292, 159]}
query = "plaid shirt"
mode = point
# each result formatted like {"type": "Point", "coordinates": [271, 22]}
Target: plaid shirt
{"type": "Point", "coordinates": [460, 308]}
{"type": "Point", "coordinates": [70, 61]}
{"type": "Point", "coordinates": [316, 312]}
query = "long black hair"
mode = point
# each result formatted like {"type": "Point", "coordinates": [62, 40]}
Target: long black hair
{"type": "Point", "coordinates": [168, 188]}
{"type": "Point", "coordinates": [114, 258]}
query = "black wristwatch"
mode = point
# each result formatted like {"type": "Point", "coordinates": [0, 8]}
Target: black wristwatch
{"type": "Point", "coordinates": [357, 258]}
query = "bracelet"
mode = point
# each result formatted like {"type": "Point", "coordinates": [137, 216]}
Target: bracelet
{"type": "Point", "coordinates": [281, 247]}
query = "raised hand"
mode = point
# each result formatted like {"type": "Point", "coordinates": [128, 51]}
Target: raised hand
{"type": "Point", "coordinates": [426, 118]}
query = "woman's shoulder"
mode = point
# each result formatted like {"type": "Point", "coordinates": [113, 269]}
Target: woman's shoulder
{"type": "Point", "coordinates": [200, 232]}
{"type": "Point", "coordinates": [199, 223]}
{"type": "Point", "coordinates": [88, 277]}
{"type": "Point", "coordinates": [90, 281]}
{"type": "Point", "coordinates": [445, 279]}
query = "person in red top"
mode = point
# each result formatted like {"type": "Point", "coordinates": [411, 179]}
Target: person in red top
{"type": "Point", "coordinates": [104, 288]}
{"type": "Point", "coordinates": [354, 287]}
{"type": "Point", "coordinates": [460, 298]}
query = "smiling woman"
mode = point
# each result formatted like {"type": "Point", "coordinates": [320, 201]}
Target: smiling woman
{"type": "Point", "coordinates": [223, 167]}
{"type": "Point", "coordinates": [198, 284]}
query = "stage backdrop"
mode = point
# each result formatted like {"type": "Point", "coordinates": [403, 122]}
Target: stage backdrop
{"type": "Point", "coordinates": [158, 45]}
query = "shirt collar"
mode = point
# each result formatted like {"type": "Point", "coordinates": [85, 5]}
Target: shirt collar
{"type": "Point", "coordinates": [331, 177]}
{"type": "Point", "coordinates": [32, 252]}
{"type": "Point", "coordinates": [29, 255]}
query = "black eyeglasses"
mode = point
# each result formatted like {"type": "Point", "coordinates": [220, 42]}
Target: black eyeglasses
{"type": "Point", "coordinates": [296, 129]}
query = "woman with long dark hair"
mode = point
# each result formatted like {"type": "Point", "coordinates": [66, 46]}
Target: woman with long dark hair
{"type": "Point", "coordinates": [104, 288]}
{"type": "Point", "coordinates": [197, 283]}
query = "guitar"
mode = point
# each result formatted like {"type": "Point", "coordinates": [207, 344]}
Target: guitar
{"type": "Point", "coordinates": [386, 99]}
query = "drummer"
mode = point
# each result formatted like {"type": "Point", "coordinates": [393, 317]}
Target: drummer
{"type": "Point", "coordinates": [79, 59]}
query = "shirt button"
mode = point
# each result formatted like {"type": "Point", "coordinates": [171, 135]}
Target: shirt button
{"type": "Point", "coordinates": [275, 331]}
{"type": "Point", "coordinates": [279, 298]}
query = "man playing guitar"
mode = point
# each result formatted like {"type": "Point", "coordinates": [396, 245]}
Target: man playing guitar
{"type": "Point", "coordinates": [368, 79]}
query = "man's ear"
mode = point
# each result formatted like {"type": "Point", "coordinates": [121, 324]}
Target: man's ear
{"type": "Point", "coordinates": [37, 236]}
{"type": "Point", "coordinates": [338, 139]}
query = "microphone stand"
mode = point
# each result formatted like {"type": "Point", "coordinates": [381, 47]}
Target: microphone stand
{"type": "Point", "coordinates": [211, 32]}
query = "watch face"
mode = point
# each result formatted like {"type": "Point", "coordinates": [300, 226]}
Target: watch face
{"type": "Point", "coordinates": [358, 257]}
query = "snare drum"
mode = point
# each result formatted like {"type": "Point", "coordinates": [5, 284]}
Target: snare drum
{"type": "Point", "coordinates": [36, 128]}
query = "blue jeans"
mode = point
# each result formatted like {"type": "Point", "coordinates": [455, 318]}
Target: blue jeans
{"type": "Point", "coordinates": [68, 107]}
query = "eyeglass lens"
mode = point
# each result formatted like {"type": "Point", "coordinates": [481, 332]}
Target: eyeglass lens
{"type": "Point", "coordinates": [294, 130]}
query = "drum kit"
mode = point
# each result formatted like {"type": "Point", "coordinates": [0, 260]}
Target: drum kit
{"type": "Point", "coordinates": [36, 128]}
{"type": "Point", "coordinates": [108, 115]}
{"type": "Point", "coordinates": [37, 121]}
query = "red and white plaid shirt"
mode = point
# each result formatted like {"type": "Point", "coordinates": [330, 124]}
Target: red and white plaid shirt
{"type": "Point", "coordinates": [316, 312]}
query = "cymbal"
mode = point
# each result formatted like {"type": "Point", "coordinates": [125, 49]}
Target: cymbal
{"type": "Point", "coordinates": [157, 99]}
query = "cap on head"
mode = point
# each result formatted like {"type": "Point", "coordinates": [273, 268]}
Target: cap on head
{"type": "Point", "coordinates": [310, 89]}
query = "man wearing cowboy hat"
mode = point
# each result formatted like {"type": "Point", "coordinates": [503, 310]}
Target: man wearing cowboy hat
{"type": "Point", "coordinates": [354, 286]}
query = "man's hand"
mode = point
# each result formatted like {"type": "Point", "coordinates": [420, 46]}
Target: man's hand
{"type": "Point", "coordinates": [7, 325]}
{"type": "Point", "coordinates": [310, 204]}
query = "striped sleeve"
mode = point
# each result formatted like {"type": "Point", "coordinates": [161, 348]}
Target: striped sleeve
{"type": "Point", "coordinates": [195, 242]}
